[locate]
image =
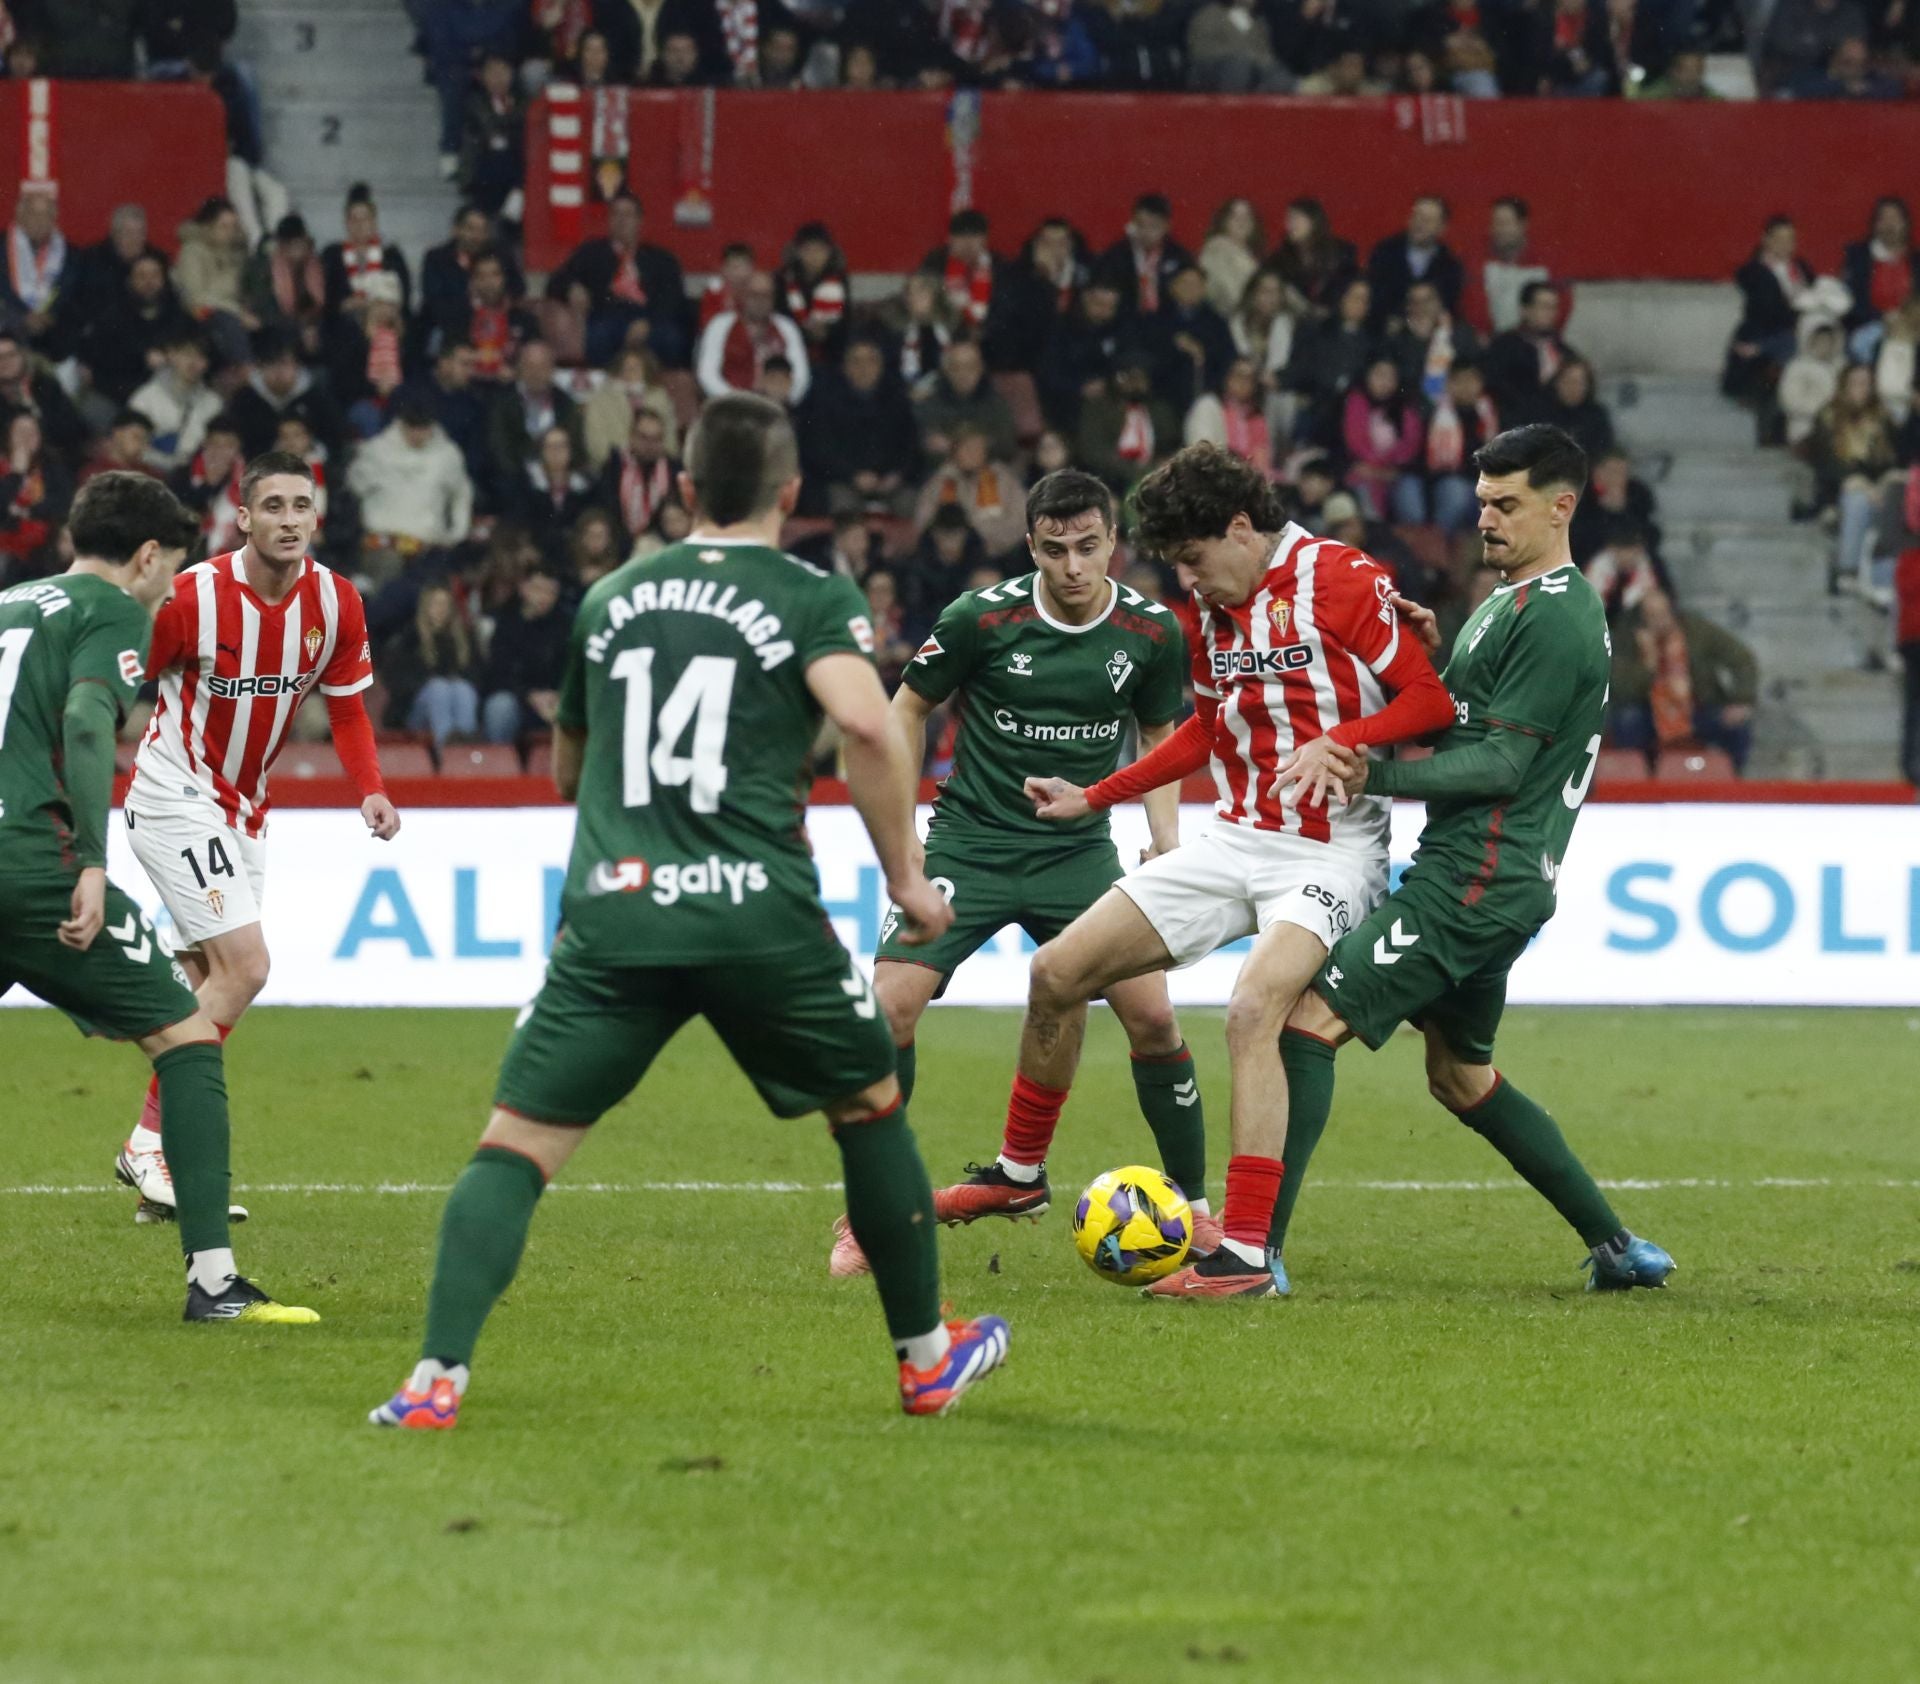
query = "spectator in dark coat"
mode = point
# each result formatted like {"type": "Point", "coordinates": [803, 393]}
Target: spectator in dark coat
{"type": "Point", "coordinates": [525, 660]}
{"type": "Point", "coordinates": [1426, 341]}
{"type": "Point", "coordinates": [858, 435]}
{"type": "Point", "coordinates": [1125, 430]}
{"type": "Point", "coordinates": [1771, 282]}
{"type": "Point", "coordinates": [1881, 272]}
{"type": "Point", "coordinates": [350, 265]}
{"type": "Point", "coordinates": [486, 319]}
{"type": "Point", "coordinates": [280, 386]}
{"type": "Point", "coordinates": [86, 40]}
{"type": "Point", "coordinates": [1191, 341]}
{"type": "Point", "coordinates": [176, 32]}
{"type": "Point", "coordinates": [937, 570]}
{"type": "Point", "coordinates": [1616, 501]}
{"type": "Point", "coordinates": [1141, 265]}
{"type": "Point", "coordinates": [554, 490]}
{"type": "Point", "coordinates": [1328, 357]}
{"type": "Point", "coordinates": [285, 287]}
{"type": "Point", "coordinates": [120, 348]}
{"type": "Point", "coordinates": [1802, 34]}
{"type": "Point", "coordinates": [25, 390]}
{"type": "Point", "coordinates": [95, 278]}
{"type": "Point", "coordinates": [618, 281]}
{"type": "Point", "coordinates": [493, 160]}
{"type": "Point", "coordinates": [1571, 403]}
{"type": "Point", "coordinates": [522, 413]}
{"type": "Point", "coordinates": [447, 269]}
{"type": "Point", "coordinates": [36, 490]}
{"type": "Point", "coordinates": [1035, 296]}
{"type": "Point", "coordinates": [1520, 362]}
{"type": "Point", "coordinates": [967, 270]}
{"type": "Point", "coordinates": [1421, 253]}
{"type": "Point", "coordinates": [1849, 74]}
{"type": "Point", "coordinates": [960, 395]}
{"type": "Point", "coordinates": [1679, 679]}
{"type": "Point", "coordinates": [1313, 262]}
{"type": "Point", "coordinates": [1082, 352]}
{"type": "Point", "coordinates": [1563, 49]}
{"type": "Point", "coordinates": [636, 38]}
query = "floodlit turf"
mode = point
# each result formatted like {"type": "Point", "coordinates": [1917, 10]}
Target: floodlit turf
{"type": "Point", "coordinates": [682, 1458]}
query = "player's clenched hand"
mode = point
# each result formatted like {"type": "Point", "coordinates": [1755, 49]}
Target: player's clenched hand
{"type": "Point", "coordinates": [381, 817]}
{"type": "Point", "coordinates": [1057, 800]}
{"type": "Point", "coordinates": [1420, 620]}
{"type": "Point", "coordinates": [924, 912]}
{"type": "Point", "coordinates": [1322, 769]}
{"type": "Point", "coordinates": [89, 910]}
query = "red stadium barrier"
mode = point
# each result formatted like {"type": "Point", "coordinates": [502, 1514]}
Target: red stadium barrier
{"type": "Point", "coordinates": [1619, 190]}
{"type": "Point", "coordinates": [831, 792]}
{"type": "Point", "coordinates": [162, 145]}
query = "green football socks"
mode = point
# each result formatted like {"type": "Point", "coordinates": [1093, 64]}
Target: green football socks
{"type": "Point", "coordinates": [904, 1061]}
{"type": "Point", "coordinates": [1531, 1141]}
{"type": "Point", "coordinates": [482, 1235]}
{"type": "Point", "coordinates": [193, 1134]}
{"type": "Point", "coordinates": [890, 1210]}
{"type": "Point", "coordinates": [1309, 1066]}
{"type": "Point", "coordinates": [1169, 1095]}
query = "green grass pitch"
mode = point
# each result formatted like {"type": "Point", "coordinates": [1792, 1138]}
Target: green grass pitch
{"type": "Point", "coordinates": [682, 1458]}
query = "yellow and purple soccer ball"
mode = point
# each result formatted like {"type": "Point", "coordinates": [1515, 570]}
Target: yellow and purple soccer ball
{"type": "Point", "coordinates": [1132, 1226]}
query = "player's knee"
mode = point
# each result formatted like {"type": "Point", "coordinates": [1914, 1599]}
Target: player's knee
{"type": "Point", "coordinates": [1459, 1087]}
{"type": "Point", "coordinates": [1255, 1017]}
{"type": "Point", "coordinates": [1052, 980]}
{"type": "Point", "coordinates": [250, 970]}
{"type": "Point", "coordinates": [901, 1009]}
{"type": "Point", "coordinates": [1151, 1029]}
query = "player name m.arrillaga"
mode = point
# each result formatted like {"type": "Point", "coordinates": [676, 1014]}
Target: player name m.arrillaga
{"type": "Point", "coordinates": [697, 596]}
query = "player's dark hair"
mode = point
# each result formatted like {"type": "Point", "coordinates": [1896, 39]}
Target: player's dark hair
{"type": "Point", "coordinates": [131, 418]}
{"type": "Point", "coordinates": [1547, 455]}
{"type": "Point", "coordinates": [740, 453]}
{"type": "Point", "coordinates": [117, 512]}
{"type": "Point", "coordinates": [265, 466]}
{"type": "Point", "coordinates": [1196, 493]}
{"type": "Point", "coordinates": [1533, 290]}
{"type": "Point", "coordinates": [1065, 493]}
{"type": "Point", "coordinates": [1154, 204]}
{"type": "Point", "coordinates": [968, 222]}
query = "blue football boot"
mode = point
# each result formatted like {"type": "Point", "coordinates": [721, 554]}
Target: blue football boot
{"type": "Point", "coordinates": [1644, 1264]}
{"type": "Point", "coordinates": [1281, 1285]}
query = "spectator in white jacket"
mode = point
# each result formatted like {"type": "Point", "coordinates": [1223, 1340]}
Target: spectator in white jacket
{"type": "Point", "coordinates": [1810, 379]}
{"type": "Point", "coordinates": [178, 401]}
{"type": "Point", "coordinates": [738, 344]}
{"type": "Point", "coordinates": [412, 484]}
{"type": "Point", "coordinates": [1896, 368]}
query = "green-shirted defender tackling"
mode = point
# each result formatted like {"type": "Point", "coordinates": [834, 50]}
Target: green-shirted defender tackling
{"type": "Point", "coordinates": [694, 688]}
{"type": "Point", "coordinates": [1529, 675]}
{"type": "Point", "coordinates": [73, 655]}
{"type": "Point", "coordinates": [1045, 673]}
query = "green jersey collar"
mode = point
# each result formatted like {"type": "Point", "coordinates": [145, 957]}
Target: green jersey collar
{"type": "Point", "coordinates": [1564, 567]}
{"type": "Point", "coordinates": [1100, 619]}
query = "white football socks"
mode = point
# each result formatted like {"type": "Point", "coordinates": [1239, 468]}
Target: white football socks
{"type": "Point", "coordinates": [211, 1270]}
{"type": "Point", "coordinates": [429, 1369]}
{"type": "Point", "coordinates": [1027, 1173]}
{"type": "Point", "coordinates": [1200, 1207]}
{"type": "Point", "coordinates": [143, 1139]}
{"type": "Point", "coordinates": [924, 1350]}
{"type": "Point", "coordinates": [1253, 1255]}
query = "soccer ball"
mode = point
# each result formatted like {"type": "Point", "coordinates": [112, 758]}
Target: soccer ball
{"type": "Point", "coordinates": [1132, 1226]}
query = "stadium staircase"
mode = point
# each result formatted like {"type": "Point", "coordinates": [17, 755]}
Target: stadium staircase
{"type": "Point", "coordinates": [344, 100]}
{"type": "Point", "coordinates": [1734, 551]}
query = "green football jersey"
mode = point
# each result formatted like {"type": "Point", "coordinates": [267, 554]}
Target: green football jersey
{"type": "Point", "coordinates": [688, 672]}
{"type": "Point", "coordinates": [1041, 699]}
{"type": "Point", "coordinates": [76, 628]}
{"type": "Point", "coordinates": [1536, 658]}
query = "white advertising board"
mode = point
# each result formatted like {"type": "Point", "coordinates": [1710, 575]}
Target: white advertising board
{"type": "Point", "coordinates": [1802, 905]}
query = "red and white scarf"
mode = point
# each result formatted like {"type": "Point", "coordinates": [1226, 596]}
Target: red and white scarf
{"type": "Point", "coordinates": [740, 30]}
{"type": "Point", "coordinates": [824, 300]}
{"type": "Point", "coordinates": [383, 359]}
{"type": "Point", "coordinates": [301, 292]}
{"type": "Point", "coordinates": [220, 525]}
{"type": "Point", "coordinates": [744, 355]}
{"type": "Point", "coordinates": [35, 275]}
{"type": "Point", "coordinates": [1136, 436]}
{"type": "Point", "coordinates": [362, 264]}
{"type": "Point", "coordinates": [1146, 265]}
{"type": "Point", "coordinates": [643, 489]}
{"type": "Point", "coordinates": [626, 284]}
{"type": "Point", "coordinates": [970, 290]}
{"type": "Point", "coordinates": [490, 333]}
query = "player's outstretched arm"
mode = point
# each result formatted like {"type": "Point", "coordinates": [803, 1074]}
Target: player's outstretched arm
{"type": "Point", "coordinates": [353, 742]}
{"type": "Point", "coordinates": [86, 742]}
{"type": "Point", "coordinates": [569, 759]}
{"type": "Point", "coordinates": [1179, 754]}
{"type": "Point", "coordinates": [1162, 804]}
{"type": "Point", "coordinates": [1490, 769]}
{"type": "Point", "coordinates": [911, 711]}
{"type": "Point", "coordinates": [879, 779]}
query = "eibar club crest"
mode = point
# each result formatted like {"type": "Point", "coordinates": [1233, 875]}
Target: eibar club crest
{"type": "Point", "coordinates": [314, 638]}
{"type": "Point", "coordinates": [1120, 669]}
{"type": "Point", "coordinates": [1280, 612]}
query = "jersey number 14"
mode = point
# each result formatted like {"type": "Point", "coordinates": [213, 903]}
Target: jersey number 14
{"type": "Point", "coordinates": [650, 745]}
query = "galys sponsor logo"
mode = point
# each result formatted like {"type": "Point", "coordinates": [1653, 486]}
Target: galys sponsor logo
{"type": "Point", "coordinates": [736, 879]}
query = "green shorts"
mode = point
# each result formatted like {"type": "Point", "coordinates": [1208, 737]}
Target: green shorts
{"type": "Point", "coordinates": [125, 986]}
{"type": "Point", "coordinates": [1424, 959]}
{"type": "Point", "coordinates": [1043, 892]}
{"type": "Point", "coordinates": [803, 1025]}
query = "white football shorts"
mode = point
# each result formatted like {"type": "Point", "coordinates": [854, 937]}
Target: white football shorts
{"type": "Point", "coordinates": [212, 878]}
{"type": "Point", "coordinates": [1232, 881]}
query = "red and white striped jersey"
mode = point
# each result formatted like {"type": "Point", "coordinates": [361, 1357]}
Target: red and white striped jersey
{"type": "Point", "coordinates": [1299, 657]}
{"type": "Point", "coordinates": [232, 669]}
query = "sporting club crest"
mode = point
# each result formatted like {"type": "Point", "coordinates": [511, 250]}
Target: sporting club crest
{"type": "Point", "coordinates": [314, 638]}
{"type": "Point", "coordinates": [217, 902]}
{"type": "Point", "coordinates": [1280, 613]}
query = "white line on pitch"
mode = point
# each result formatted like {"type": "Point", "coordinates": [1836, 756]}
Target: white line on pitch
{"type": "Point", "coordinates": [1508, 1185]}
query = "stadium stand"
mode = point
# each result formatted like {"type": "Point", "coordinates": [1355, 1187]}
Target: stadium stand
{"type": "Point", "coordinates": [455, 260]}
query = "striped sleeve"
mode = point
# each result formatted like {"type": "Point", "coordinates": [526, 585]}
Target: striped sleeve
{"type": "Point", "coordinates": [351, 668]}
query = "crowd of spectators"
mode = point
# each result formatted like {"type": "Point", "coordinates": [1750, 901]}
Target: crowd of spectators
{"type": "Point", "coordinates": [1831, 364]}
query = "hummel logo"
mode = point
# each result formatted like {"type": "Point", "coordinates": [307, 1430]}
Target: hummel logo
{"type": "Point", "coordinates": [1335, 976]}
{"type": "Point", "coordinates": [125, 934]}
{"type": "Point", "coordinates": [1551, 586]}
{"type": "Point", "coordinates": [1021, 666]}
{"type": "Point", "coordinates": [1186, 1093]}
{"type": "Point", "coordinates": [1402, 939]}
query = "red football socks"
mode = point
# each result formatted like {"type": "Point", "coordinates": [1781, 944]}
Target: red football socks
{"type": "Point", "coordinates": [1033, 1113]}
{"type": "Point", "coordinates": [1253, 1188]}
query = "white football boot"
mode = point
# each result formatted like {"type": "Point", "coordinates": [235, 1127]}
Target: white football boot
{"type": "Point", "coordinates": [147, 1174]}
